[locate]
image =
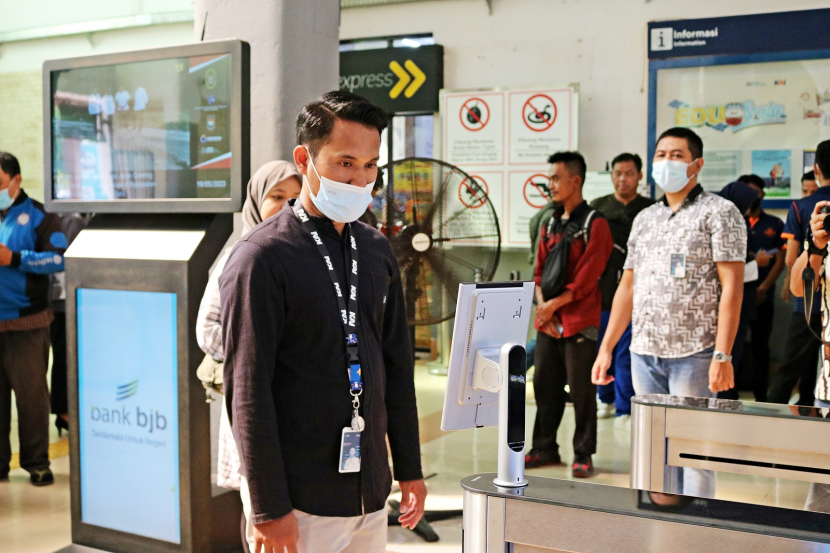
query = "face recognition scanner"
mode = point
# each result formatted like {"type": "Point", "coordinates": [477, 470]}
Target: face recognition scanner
{"type": "Point", "coordinates": [155, 143]}
{"type": "Point", "coordinates": [486, 380]}
{"type": "Point", "coordinates": [669, 433]}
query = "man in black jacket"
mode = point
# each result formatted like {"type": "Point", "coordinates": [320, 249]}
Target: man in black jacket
{"type": "Point", "coordinates": [318, 366]}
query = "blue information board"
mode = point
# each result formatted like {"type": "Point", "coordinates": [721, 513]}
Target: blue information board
{"type": "Point", "coordinates": [127, 393]}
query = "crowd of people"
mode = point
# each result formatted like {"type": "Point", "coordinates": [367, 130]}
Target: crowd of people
{"type": "Point", "coordinates": [637, 296]}
{"type": "Point", "coordinates": [633, 296]}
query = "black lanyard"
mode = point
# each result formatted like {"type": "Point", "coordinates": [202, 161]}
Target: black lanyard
{"type": "Point", "coordinates": [348, 314]}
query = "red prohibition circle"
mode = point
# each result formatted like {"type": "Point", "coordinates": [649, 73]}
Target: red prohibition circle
{"type": "Point", "coordinates": [465, 110]}
{"type": "Point", "coordinates": [539, 115]}
{"type": "Point", "coordinates": [477, 202]}
{"type": "Point", "coordinates": [529, 182]}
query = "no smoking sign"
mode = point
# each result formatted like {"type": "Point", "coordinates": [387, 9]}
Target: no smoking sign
{"type": "Point", "coordinates": [539, 113]}
{"type": "Point", "coordinates": [475, 114]}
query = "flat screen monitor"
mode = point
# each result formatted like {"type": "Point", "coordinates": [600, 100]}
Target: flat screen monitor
{"type": "Point", "coordinates": [148, 131]}
{"type": "Point", "coordinates": [487, 316]}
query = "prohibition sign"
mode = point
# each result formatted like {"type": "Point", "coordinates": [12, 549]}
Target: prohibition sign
{"type": "Point", "coordinates": [539, 113]}
{"type": "Point", "coordinates": [536, 185]}
{"type": "Point", "coordinates": [475, 114]}
{"type": "Point", "coordinates": [471, 197]}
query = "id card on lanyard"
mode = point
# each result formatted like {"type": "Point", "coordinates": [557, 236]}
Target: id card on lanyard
{"type": "Point", "coordinates": [350, 437]}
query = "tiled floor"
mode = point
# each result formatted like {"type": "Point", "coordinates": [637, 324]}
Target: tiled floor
{"type": "Point", "coordinates": [37, 520]}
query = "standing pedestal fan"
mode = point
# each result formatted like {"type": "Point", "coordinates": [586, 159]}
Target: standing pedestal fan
{"type": "Point", "coordinates": [444, 230]}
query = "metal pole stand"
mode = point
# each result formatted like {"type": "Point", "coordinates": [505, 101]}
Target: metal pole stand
{"type": "Point", "coordinates": [512, 366]}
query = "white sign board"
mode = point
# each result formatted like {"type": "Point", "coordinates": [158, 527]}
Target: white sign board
{"type": "Point", "coordinates": [474, 129]}
{"type": "Point", "coordinates": [505, 139]}
{"type": "Point", "coordinates": [541, 122]}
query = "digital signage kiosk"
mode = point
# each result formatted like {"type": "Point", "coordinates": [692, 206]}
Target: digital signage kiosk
{"type": "Point", "coordinates": [155, 143]}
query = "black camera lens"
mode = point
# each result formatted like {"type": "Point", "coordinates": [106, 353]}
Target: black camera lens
{"type": "Point", "coordinates": [826, 209]}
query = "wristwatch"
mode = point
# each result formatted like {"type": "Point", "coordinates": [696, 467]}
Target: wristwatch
{"type": "Point", "coordinates": [815, 250]}
{"type": "Point", "coordinates": [722, 357]}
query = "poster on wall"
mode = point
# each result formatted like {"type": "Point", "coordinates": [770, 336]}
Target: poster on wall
{"type": "Point", "coordinates": [474, 128]}
{"type": "Point", "coordinates": [541, 122]}
{"type": "Point", "coordinates": [505, 137]}
{"type": "Point", "coordinates": [758, 117]}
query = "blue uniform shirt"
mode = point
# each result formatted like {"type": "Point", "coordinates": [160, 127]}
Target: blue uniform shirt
{"type": "Point", "coordinates": [797, 228]}
{"type": "Point", "coordinates": [766, 235]}
{"type": "Point", "coordinates": [37, 242]}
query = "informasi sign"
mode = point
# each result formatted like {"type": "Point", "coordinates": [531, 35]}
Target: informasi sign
{"type": "Point", "coordinates": [742, 34]}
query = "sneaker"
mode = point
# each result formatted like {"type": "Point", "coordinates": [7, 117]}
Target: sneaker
{"type": "Point", "coordinates": [605, 410]}
{"type": "Point", "coordinates": [536, 459]}
{"type": "Point", "coordinates": [623, 422]}
{"type": "Point", "coordinates": [583, 467]}
{"type": "Point", "coordinates": [42, 477]}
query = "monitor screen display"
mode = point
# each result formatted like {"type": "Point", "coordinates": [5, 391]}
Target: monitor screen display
{"type": "Point", "coordinates": [150, 129]}
{"type": "Point", "coordinates": [128, 411]}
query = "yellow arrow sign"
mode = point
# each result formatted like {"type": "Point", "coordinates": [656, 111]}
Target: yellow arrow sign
{"type": "Point", "coordinates": [402, 75]}
{"type": "Point", "coordinates": [419, 78]}
{"type": "Point", "coordinates": [404, 79]}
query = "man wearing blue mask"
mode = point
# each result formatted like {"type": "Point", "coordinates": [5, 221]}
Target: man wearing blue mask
{"type": "Point", "coordinates": [681, 288]}
{"type": "Point", "coordinates": [32, 244]}
{"type": "Point", "coordinates": [318, 365]}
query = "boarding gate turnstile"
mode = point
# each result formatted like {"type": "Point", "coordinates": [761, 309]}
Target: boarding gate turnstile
{"type": "Point", "coordinates": [669, 433]}
{"type": "Point", "coordinates": [555, 516]}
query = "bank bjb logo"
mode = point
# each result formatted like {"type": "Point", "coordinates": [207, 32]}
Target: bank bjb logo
{"type": "Point", "coordinates": [126, 390]}
{"type": "Point", "coordinates": [150, 420]}
{"type": "Point", "coordinates": [732, 115]}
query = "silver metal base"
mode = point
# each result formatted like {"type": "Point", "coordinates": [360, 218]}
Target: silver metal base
{"type": "Point", "coordinates": [503, 484]}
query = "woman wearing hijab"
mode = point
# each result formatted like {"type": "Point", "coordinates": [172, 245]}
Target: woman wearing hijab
{"type": "Point", "coordinates": [268, 190]}
{"type": "Point", "coordinates": [745, 198]}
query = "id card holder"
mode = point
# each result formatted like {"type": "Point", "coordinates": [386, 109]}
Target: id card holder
{"type": "Point", "coordinates": [349, 450]}
{"type": "Point", "coordinates": [677, 267]}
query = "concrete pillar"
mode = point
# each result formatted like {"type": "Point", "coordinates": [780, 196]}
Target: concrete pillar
{"type": "Point", "coordinates": [294, 59]}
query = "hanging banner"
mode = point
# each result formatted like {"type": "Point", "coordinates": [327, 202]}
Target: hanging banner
{"type": "Point", "coordinates": [491, 134]}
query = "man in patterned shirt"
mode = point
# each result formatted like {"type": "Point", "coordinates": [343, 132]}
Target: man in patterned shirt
{"type": "Point", "coordinates": [681, 289]}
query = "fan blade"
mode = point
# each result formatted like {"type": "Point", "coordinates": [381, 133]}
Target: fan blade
{"type": "Point", "coordinates": [466, 237]}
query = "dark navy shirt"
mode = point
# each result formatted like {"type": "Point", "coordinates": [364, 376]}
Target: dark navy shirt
{"type": "Point", "coordinates": [766, 235]}
{"type": "Point", "coordinates": [797, 228]}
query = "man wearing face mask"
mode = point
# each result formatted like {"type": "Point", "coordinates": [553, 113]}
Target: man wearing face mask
{"type": "Point", "coordinates": [32, 244]}
{"type": "Point", "coordinates": [317, 353]}
{"type": "Point", "coordinates": [681, 289]}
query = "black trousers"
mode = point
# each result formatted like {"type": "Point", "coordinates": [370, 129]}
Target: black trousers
{"type": "Point", "coordinates": [57, 333]}
{"type": "Point", "coordinates": [759, 346]}
{"type": "Point", "coordinates": [24, 360]}
{"type": "Point", "coordinates": [561, 361]}
{"type": "Point", "coordinates": [802, 362]}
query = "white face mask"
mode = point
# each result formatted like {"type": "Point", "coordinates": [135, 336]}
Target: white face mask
{"type": "Point", "coordinates": [339, 201]}
{"type": "Point", "coordinates": [670, 175]}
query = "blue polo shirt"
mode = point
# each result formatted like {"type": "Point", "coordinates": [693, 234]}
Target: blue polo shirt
{"type": "Point", "coordinates": [797, 228]}
{"type": "Point", "coordinates": [765, 232]}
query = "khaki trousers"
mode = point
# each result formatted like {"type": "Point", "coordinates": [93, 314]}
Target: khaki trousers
{"type": "Point", "coordinates": [362, 534]}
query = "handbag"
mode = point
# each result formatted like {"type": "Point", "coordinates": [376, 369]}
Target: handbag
{"type": "Point", "coordinates": [555, 273]}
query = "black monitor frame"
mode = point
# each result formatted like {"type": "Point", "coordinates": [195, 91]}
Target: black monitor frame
{"type": "Point", "coordinates": [239, 133]}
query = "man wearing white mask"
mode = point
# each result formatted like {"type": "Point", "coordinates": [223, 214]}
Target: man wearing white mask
{"type": "Point", "coordinates": [317, 355]}
{"type": "Point", "coordinates": [681, 289]}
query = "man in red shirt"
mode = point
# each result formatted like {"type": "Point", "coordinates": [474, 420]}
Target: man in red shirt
{"type": "Point", "coordinates": [568, 321]}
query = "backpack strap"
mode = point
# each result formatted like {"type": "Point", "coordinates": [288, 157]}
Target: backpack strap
{"type": "Point", "coordinates": [586, 227]}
